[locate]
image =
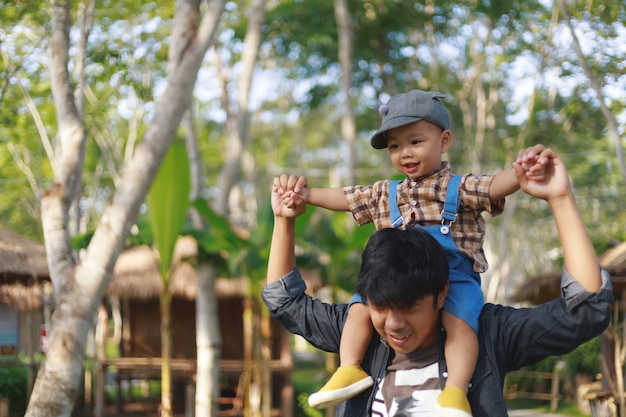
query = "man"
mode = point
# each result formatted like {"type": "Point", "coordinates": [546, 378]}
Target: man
{"type": "Point", "coordinates": [405, 294]}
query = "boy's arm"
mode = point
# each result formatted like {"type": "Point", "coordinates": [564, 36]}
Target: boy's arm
{"type": "Point", "coordinates": [328, 198]}
{"type": "Point", "coordinates": [504, 183]}
{"type": "Point", "coordinates": [533, 165]}
{"type": "Point", "coordinates": [555, 188]}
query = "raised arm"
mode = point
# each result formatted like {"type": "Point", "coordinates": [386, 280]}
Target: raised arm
{"type": "Point", "coordinates": [328, 198]}
{"type": "Point", "coordinates": [504, 183]}
{"type": "Point", "coordinates": [284, 294]}
{"type": "Point", "coordinates": [282, 257]}
{"type": "Point", "coordinates": [555, 188]}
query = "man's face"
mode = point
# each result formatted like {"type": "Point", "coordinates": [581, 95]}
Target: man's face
{"type": "Point", "coordinates": [406, 329]}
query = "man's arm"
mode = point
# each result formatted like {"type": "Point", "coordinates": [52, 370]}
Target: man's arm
{"type": "Point", "coordinates": [282, 258]}
{"type": "Point", "coordinates": [555, 188]}
{"type": "Point", "coordinates": [319, 323]}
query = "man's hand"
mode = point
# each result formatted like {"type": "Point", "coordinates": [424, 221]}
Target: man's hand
{"type": "Point", "coordinates": [542, 173]}
{"type": "Point", "coordinates": [283, 190]}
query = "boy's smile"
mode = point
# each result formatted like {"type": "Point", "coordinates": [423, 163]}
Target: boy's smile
{"type": "Point", "coordinates": [416, 149]}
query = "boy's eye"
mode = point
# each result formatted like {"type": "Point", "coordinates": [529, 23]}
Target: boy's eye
{"type": "Point", "coordinates": [393, 146]}
{"type": "Point", "coordinates": [415, 142]}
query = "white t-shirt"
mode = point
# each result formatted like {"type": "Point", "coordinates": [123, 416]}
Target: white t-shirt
{"type": "Point", "coordinates": [411, 386]}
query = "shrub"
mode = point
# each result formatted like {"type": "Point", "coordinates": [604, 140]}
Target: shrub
{"type": "Point", "coordinates": [13, 385]}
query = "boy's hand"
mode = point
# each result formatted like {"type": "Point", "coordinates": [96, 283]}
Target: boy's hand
{"type": "Point", "coordinates": [282, 188]}
{"type": "Point", "coordinates": [533, 162]}
{"type": "Point", "coordinates": [295, 192]}
{"type": "Point", "coordinates": [542, 173]}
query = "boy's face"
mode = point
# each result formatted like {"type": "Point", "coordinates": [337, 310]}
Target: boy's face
{"type": "Point", "coordinates": [406, 329]}
{"type": "Point", "coordinates": [416, 149]}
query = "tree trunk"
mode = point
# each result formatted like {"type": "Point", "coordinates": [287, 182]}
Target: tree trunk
{"type": "Point", "coordinates": [248, 353]}
{"type": "Point", "coordinates": [208, 342]}
{"type": "Point", "coordinates": [79, 287]}
{"type": "Point", "coordinates": [166, 353]}
{"type": "Point", "coordinates": [348, 124]}
{"type": "Point", "coordinates": [237, 118]}
{"type": "Point", "coordinates": [208, 333]}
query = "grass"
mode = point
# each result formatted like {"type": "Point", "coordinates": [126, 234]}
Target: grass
{"type": "Point", "coordinates": [308, 377]}
{"type": "Point", "coordinates": [544, 407]}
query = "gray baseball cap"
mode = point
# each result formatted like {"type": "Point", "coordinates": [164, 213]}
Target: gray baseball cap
{"type": "Point", "coordinates": [411, 107]}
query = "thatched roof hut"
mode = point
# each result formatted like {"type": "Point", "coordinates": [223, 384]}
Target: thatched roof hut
{"type": "Point", "coordinates": [24, 273]}
{"type": "Point", "coordinates": [546, 287]}
{"type": "Point", "coordinates": [136, 274]}
{"type": "Point", "coordinates": [20, 257]}
{"type": "Point", "coordinates": [23, 268]}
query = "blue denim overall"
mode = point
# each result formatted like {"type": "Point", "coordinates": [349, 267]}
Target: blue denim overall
{"type": "Point", "coordinates": [465, 298]}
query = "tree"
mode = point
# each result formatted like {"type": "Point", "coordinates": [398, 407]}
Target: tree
{"type": "Point", "coordinates": [79, 284]}
{"type": "Point", "coordinates": [238, 115]}
{"type": "Point", "coordinates": [482, 55]}
{"type": "Point", "coordinates": [596, 85]}
{"type": "Point", "coordinates": [348, 122]}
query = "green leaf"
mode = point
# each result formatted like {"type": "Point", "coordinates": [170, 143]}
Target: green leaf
{"type": "Point", "coordinates": [218, 235]}
{"type": "Point", "coordinates": [168, 201]}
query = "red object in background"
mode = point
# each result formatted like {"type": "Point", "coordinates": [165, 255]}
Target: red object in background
{"type": "Point", "coordinates": [43, 338]}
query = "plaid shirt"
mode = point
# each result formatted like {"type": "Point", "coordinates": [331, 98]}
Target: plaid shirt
{"type": "Point", "coordinates": [421, 201]}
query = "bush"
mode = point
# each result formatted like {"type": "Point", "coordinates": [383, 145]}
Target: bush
{"type": "Point", "coordinates": [13, 385]}
{"type": "Point", "coordinates": [585, 359]}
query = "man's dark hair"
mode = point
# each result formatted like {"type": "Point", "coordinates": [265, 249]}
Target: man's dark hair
{"type": "Point", "coordinates": [400, 267]}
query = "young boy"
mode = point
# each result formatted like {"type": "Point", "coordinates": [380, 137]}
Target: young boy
{"type": "Point", "coordinates": [416, 130]}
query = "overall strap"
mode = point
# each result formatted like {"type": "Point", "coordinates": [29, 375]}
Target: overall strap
{"type": "Point", "coordinates": [394, 212]}
{"type": "Point", "coordinates": [451, 205]}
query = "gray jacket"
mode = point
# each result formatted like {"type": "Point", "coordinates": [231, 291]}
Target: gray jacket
{"type": "Point", "coordinates": [509, 338]}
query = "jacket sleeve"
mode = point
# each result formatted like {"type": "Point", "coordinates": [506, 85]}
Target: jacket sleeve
{"type": "Point", "coordinates": [318, 322]}
{"type": "Point", "coordinates": [521, 337]}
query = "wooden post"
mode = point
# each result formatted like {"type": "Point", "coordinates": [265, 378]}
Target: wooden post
{"type": "Point", "coordinates": [554, 402]}
{"type": "Point", "coordinates": [4, 407]}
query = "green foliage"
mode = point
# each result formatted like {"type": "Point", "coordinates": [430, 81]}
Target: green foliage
{"type": "Point", "coordinates": [168, 201]}
{"type": "Point", "coordinates": [308, 377]}
{"type": "Point", "coordinates": [478, 53]}
{"type": "Point", "coordinates": [217, 242]}
{"type": "Point", "coordinates": [13, 385]}
{"type": "Point", "coordinates": [307, 410]}
{"type": "Point", "coordinates": [585, 359]}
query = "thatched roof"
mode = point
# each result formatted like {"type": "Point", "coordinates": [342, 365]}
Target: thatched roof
{"type": "Point", "coordinates": [545, 287]}
{"type": "Point", "coordinates": [136, 274]}
{"type": "Point", "coordinates": [20, 258]}
{"type": "Point", "coordinates": [23, 267]}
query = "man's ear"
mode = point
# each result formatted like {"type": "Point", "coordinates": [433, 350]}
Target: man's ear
{"type": "Point", "coordinates": [441, 298]}
{"type": "Point", "coordinates": [446, 140]}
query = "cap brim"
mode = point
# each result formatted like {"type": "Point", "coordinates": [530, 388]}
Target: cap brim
{"type": "Point", "coordinates": [379, 141]}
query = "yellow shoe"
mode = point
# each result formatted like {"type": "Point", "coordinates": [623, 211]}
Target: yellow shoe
{"type": "Point", "coordinates": [346, 382]}
{"type": "Point", "coordinates": [452, 402]}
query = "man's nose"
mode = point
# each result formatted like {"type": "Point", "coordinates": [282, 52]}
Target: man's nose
{"type": "Point", "coordinates": [394, 320]}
